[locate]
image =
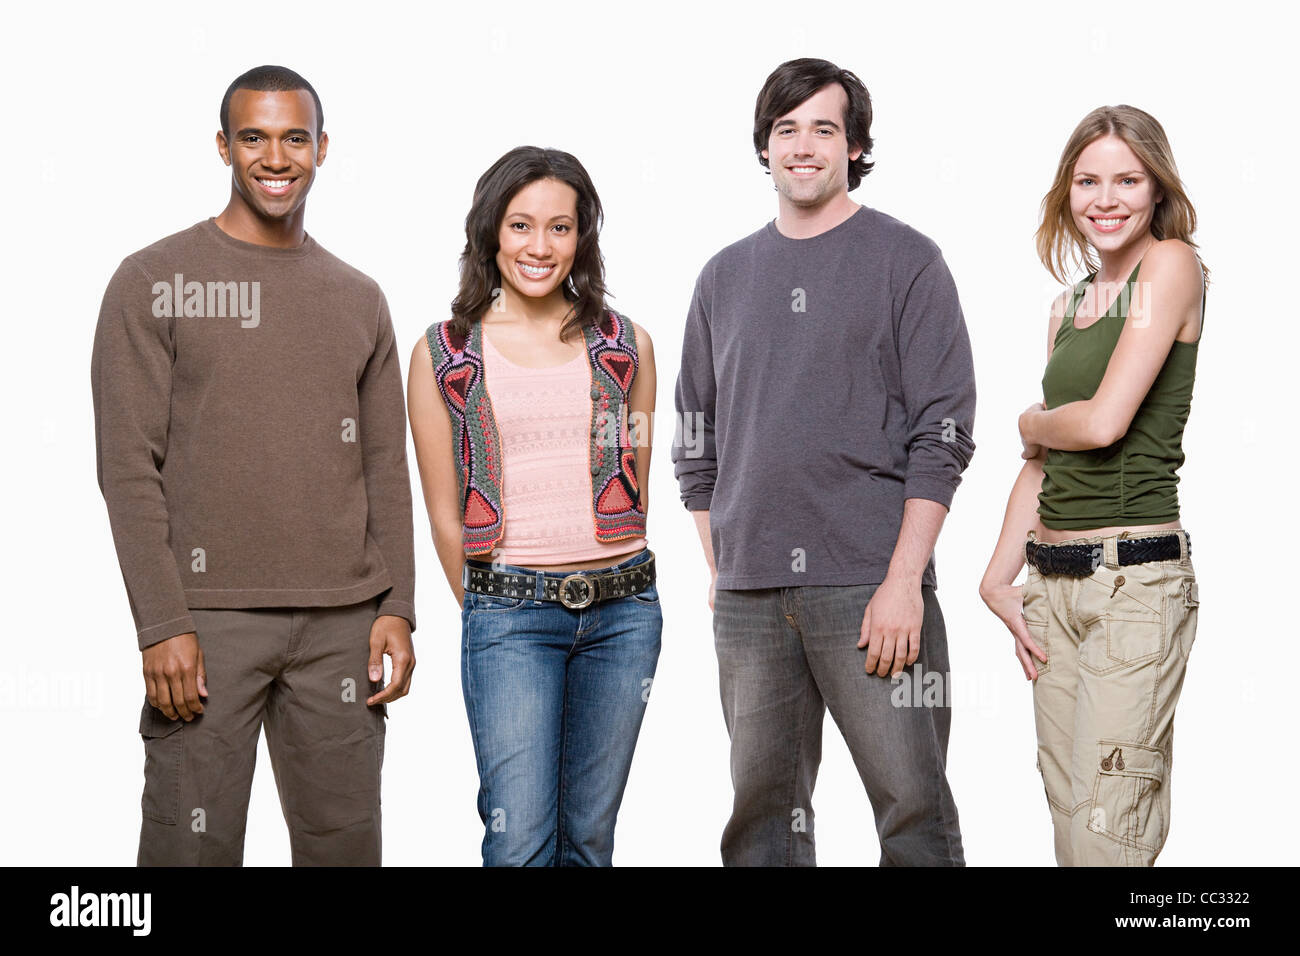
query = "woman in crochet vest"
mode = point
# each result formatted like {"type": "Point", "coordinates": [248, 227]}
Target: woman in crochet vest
{"type": "Point", "coordinates": [1105, 621]}
{"type": "Point", "coordinates": [530, 409]}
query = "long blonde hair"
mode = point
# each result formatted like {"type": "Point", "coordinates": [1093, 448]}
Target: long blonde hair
{"type": "Point", "coordinates": [1058, 239]}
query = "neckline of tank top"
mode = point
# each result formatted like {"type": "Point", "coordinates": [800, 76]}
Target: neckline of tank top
{"type": "Point", "coordinates": [1074, 306]}
{"type": "Point", "coordinates": [1078, 300]}
{"type": "Point", "coordinates": [487, 343]}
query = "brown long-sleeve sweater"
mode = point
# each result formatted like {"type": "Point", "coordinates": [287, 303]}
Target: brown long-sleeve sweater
{"type": "Point", "coordinates": [250, 432]}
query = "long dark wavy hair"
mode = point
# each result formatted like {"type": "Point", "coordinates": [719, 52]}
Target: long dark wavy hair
{"type": "Point", "coordinates": [584, 286]}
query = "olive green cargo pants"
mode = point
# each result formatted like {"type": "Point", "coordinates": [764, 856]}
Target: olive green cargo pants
{"type": "Point", "coordinates": [1117, 643]}
{"type": "Point", "coordinates": [302, 672]}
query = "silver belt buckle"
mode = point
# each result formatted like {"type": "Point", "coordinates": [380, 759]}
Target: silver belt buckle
{"type": "Point", "coordinates": [588, 591]}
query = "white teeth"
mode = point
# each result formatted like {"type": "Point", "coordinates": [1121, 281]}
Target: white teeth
{"type": "Point", "coordinates": [1108, 222]}
{"type": "Point", "coordinates": [275, 183]}
{"type": "Point", "coordinates": [535, 271]}
{"type": "Point", "coordinates": [804, 169]}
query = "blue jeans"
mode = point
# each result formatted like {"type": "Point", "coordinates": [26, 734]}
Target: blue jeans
{"type": "Point", "coordinates": [555, 698]}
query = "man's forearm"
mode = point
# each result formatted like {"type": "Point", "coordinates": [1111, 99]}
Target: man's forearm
{"type": "Point", "coordinates": [706, 537]}
{"type": "Point", "coordinates": [922, 520]}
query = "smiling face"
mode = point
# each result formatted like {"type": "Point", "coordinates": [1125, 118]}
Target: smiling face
{"type": "Point", "coordinates": [272, 150]}
{"type": "Point", "coordinates": [807, 150]}
{"type": "Point", "coordinates": [1112, 196]}
{"type": "Point", "coordinates": [538, 238]}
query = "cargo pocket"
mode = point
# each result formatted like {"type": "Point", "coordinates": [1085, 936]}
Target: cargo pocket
{"type": "Point", "coordinates": [1125, 797]}
{"type": "Point", "coordinates": [163, 751]}
{"type": "Point", "coordinates": [1121, 613]}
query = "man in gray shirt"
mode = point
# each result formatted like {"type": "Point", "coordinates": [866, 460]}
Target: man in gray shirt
{"type": "Point", "coordinates": [825, 406]}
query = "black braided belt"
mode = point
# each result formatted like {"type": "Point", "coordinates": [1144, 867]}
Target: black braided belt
{"type": "Point", "coordinates": [576, 589]}
{"type": "Point", "coordinates": [1080, 560]}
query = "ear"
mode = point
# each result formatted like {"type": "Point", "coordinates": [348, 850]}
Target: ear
{"type": "Point", "coordinates": [223, 148]}
{"type": "Point", "coordinates": [322, 148]}
{"type": "Point", "coordinates": [763, 153]}
{"type": "Point", "coordinates": [854, 153]}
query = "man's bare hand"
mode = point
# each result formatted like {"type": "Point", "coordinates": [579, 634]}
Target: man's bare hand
{"type": "Point", "coordinates": [391, 635]}
{"type": "Point", "coordinates": [891, 627]}
{"type": "Point", "coordinates": [174, 676]}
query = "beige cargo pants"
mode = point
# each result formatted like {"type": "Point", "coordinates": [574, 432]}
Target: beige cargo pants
{"type": "Point", "coordinates": [1117, 643]}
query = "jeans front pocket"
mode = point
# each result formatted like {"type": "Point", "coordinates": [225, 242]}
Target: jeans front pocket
{"type": "Point", "coordinates": [163, 754]}
{"type": "Point", "coordinates": [494, 602]}
{"type": "Point", "coordinates": [649, 596]}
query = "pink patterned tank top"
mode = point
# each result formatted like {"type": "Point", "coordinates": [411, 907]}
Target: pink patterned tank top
{"type": "Point", "coordinates": [544, 419]}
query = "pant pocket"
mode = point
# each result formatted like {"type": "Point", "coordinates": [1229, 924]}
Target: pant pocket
{"type": "Point", "coordinates": [1034, 607]}
{"type": "Point", "coordinates": [163, 752]}
{"type": "Point", "coordinates": [1125, 797]}
{"type": "Point", "coordinates": [1123, 618]}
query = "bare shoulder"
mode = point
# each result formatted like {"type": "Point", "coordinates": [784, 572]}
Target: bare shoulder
{"type": "Point", "coordinates": [1056, 317]}
{"type": "Point", "coordinates": [1059, 305]}
{"type": "Point", "coordinates": [1169, 289]}
{"type": "Point", "coordinates": [420, 354]}
{"type": "Point", "coordinates": [1172, 262]}
{"type": "Point", "coordinates": [644, 345]}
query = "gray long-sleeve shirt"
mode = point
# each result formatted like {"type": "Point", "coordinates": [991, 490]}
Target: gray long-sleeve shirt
{"type": "Point", "coordinates": [823, 382]}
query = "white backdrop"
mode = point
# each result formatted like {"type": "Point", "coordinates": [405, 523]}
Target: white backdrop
{"type": "Point", "coordinates": [110, 116]}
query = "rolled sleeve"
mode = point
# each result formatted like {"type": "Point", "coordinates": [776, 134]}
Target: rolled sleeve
{"type": "Point", "coordinates": [938, 383]}
{"type": "Point", "coordinates": [694, 449]}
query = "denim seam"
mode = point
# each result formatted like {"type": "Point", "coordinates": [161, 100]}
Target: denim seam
{"type": "Point", "coordinates": [561, 783]}
{"type": "Point", "coordinates": [798, 751]}
{"type": "Point", "coordinates": [470, 698]}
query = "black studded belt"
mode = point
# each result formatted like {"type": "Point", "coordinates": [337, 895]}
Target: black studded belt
{"type": "Point", "coordinates": [1080, 560]}
{"type": "Point", "coordinates": [573, 589]}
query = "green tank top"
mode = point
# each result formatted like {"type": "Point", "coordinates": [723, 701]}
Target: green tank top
{"type": "Point", "coordinates": [1135, 480]}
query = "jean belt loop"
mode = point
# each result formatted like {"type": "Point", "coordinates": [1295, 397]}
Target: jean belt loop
{"type": "Point", "coordinates": [1110, 550]}
{"type": "Point", "coordinates": [539, 586]}
{"type": "Point", "coordinates": [1182, 547]}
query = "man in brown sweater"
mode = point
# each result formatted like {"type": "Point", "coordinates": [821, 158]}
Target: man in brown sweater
{"type": "Point", "coordinates": [251, 442]}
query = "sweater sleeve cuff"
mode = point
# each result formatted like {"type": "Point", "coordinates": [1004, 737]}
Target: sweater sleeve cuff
{"type": "Point", "coordinates": [930, 487]}
{"type": "Point", "coordinates": [157, 633]}
{"type": "Point", "coordinates": [398, 608]}
{"type": "Point", "coordinates": [699, 502]}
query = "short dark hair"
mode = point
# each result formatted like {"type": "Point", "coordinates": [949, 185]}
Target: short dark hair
{"type": "Point", "coordinates": [480, 278]}
{"type": "Point", "coordinates": [795, 81]}
{"type": "Point", "coordinates": [270, 79]}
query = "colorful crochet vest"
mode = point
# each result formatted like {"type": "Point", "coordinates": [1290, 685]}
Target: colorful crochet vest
{"type": "Point", "coordinates": [615, 496]}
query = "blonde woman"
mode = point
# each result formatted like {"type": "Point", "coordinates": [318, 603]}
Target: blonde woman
{"type": "Point", "coordinates": [1106, 618]}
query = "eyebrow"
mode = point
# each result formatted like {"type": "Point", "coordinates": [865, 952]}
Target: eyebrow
{"type": "Point", "coordinates": [262, 133]}
{"type": "Point", "coordinates": [1129, 172]}
{"type": "Point", "coordinates": [524, 215]}
{"type": "Point", "coordinates": [820, 122]}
